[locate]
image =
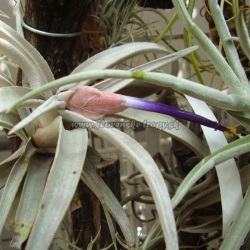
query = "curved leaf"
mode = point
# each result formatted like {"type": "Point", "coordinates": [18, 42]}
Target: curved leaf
{"type": "Point", "coordinates": [108, 199]}
{"type": "Point", "coordinates": [240, 228]}
{"type": "Point", "coordinates": [243, 33]}
{"type": "Point", "coordinates": [29, 128]}
{"type": "Point", "coordinates": [14, 180]}
{"type": "Point", "coordinates": [4, 82]}
{"type": "Point", "coordinates": [143, 161]}
{"type": "Point", "coordinates": [231, 150]}
{"type": "Point", "coordinates": [60, 187]}
{"type": "Point", "coordinates": [231, 199]}
{"type": "Point", "coordinates": [49, 105]}
{"type": "Point", "coordinates": [210, 196]}
{"type": "Point", "coordinates": [229, 47]}
{"type": "Point", "coordinates": [36, 60]}
{"type": "Point", "coordinates": [17, 57]}
{"type": "Point", "coordinates": [169, 125]}
{"type": "Point", "coordinates": [9, 95]}
{"type": "Point", "coordinates": [7, 165]}
{"type": "Point", "coordinates": [221, 65]}
{"type": "Point", "coordinates": [210, 227]}
{"type": "Point", "coordinates": [113, 85]}
{"type": "Point", "coordinates": [3, 14]}
{"type": "Point", "coordinates": [31, 197]}
{"type": "Point", "coordinates": [114, 56]}
{"type": "Point", "coordinates": [204, 93]}
{"type": "Point", "coordinates": [9, 121]}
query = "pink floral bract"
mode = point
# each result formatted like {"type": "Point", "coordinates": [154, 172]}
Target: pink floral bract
{"type": "Point", "coordinates": [94, 104]}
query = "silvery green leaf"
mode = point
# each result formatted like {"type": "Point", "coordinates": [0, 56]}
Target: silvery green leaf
{"type": "Point", "coordinates": [209, 95]}
{"type": "Point", "coordinates": [242, 117]}
{"type": "Point", "coordinates": [113, 85]}
{"type": "Point", "coordinates": [114, 56]}
{"type": "Point", "coordinates": [60, 187]}
{"type": "Point", "coordinates": [169, 125]}
{"type": "Point", "coordinates": [96, 159]}
{"type": "Point", "coordinates": [210, 196]}
{"type": "Point", "coordinates": [4, 82]}
{"type": "Point", "coordinates": [31, 197]}
{"type": "Point", "coordinates": [235, 85]}
{"type": "Point", "coordinates": [91, 243]}
{"type": "Point", "coordinates": [3, 14]}
{"type": "Point", "coordinates": [7, 164]}
{"type": "Point", "coordinates": [111, 57]}
{"type": "Point", "coordinates": [9, 95]}
{"type": "Point", "coordinates": [212, 96]}
{"type": "Point", "coordinates": [8, 121]}
{"type": "Point", "coordinates": [145, 164]}
{"type": "Point", "coordinates": [204, 228]}
{"type": "Point", "coordinates": [24, 113]}
{"type": "Point", "coordinates": [48, 105]}
{"type": "Point", "coordinates": [202, 200]}
{"type": "Point", "coordinates": [19, 16]}
{"type": "Point", "coordinates": [121, 15]}
{"type": "Point", "coordinates": [10, 222]}
{"type": "Point", "coordinates": [229, 151]}
{"type": "Point", "coordinates": [32, 103]}
{"type": "Point", "coordinates": [14, 180]}
{"type": "Point", "coordinates": [96, 188]}
{"type": "Point", "coordinates": [108, 200]}
{"type": "Point", "coordinates": [227, 171]}
{"type": "Point", "coordinates": [240, 227]}
{"type": "Point", "coordinates": [17, 57]}
{"type": "Point", "coordinates": [14, 156]}
{"type": "Point", "coordinates": [5, 171]}
{"type": "Point", "coordinates": [37, 62]}
{"type": "Point", "coordinates": [243, 33]}
{"type": "Point", "coordinates": [229, 47]}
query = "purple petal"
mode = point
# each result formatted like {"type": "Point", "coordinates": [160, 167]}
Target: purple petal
{"type": "Point", "coordinates": [146, 105]}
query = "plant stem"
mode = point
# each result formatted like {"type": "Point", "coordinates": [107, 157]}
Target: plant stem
{"type": "Point", "coordinates": [227, 74]}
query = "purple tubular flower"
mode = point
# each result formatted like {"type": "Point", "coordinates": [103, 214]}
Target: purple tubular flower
{"type": "Point", "coordinates": [151, 106]}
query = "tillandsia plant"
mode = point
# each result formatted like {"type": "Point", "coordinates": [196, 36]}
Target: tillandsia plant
{"type": "Point", "coordinates": [39, 180]}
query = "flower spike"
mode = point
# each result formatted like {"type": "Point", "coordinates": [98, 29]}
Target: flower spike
{"type": "Point", "coordinates": [95, 104]}
{"type": "Point", "coordinates": [151, 106]}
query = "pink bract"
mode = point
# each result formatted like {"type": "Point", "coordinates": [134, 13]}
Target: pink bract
{"type": "Point", "coordinates": [94, 104]}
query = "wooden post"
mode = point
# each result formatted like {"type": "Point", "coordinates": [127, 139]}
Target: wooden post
{"type": "Point", "coordinates": [57, 16]}
{"type": "Point", "coordinates": [63, 55]}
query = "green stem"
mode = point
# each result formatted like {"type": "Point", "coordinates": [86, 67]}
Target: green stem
{"type": "Point", "coordinates": [204, 93]}
{"type": "Point", "coordinates": [229, 47]}
{"type": "Point", "coordinates": [213, 54]}
{"type": "Point", "coordinates": [168, 27]}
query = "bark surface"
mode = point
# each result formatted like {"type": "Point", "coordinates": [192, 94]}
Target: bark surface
{"type": "Point", "coordinates": [62, 56]}
{"type": "Point", "coordinates": [57, 16]}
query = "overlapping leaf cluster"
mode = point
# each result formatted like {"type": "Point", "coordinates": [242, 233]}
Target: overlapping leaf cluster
{"type": "Point", "coordinates": [39, 180]}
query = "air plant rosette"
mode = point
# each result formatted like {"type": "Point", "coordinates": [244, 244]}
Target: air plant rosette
{"type": "Point", "coordinates": [33, 176]}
